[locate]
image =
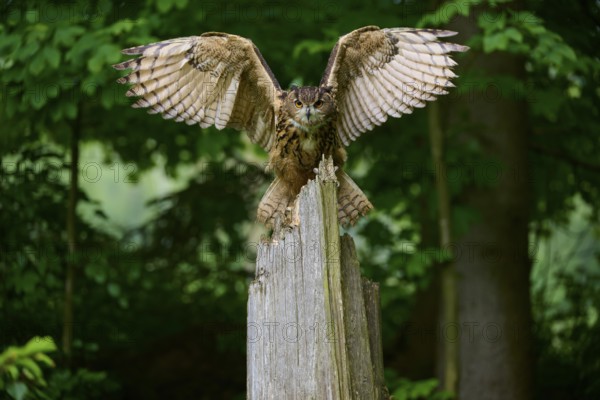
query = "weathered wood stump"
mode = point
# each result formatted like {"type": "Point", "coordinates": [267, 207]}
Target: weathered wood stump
{"type": "Point", "coordinates": [313, 321]}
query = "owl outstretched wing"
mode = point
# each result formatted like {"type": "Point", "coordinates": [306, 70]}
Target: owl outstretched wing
{"type": "Point", "coordinates": [376, 73]}
{"type": "Point", "coordinates": [213, 79]}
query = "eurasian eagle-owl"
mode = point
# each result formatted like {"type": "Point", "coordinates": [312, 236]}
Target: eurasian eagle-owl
{"type": "Point", "coordinates": [222, 80]}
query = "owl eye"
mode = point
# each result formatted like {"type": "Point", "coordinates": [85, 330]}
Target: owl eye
{"type": "Point", "coordinates": [318, 103]}
{"type": "Point", "coordinates": [298, 103]}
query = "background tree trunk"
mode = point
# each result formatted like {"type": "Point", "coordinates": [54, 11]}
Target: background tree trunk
{"type": "Point", "coordinates": [71, 259]}
{"type": "Point", "coordinates": [447, 355]}
{"type": "Point", "coordinates": [493, 262]}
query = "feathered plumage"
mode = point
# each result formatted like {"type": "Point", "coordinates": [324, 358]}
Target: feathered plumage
{"type": "Point", "coordinates": [222, 80]}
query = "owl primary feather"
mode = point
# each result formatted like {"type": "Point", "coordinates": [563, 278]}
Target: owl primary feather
{"type": "Point", "coordinates": [223, 80]}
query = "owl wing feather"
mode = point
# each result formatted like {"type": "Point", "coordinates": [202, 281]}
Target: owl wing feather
{"type": "Point", "coordinates": [213, 79]}
{"type": "Point", "coordinates": [375, 73]}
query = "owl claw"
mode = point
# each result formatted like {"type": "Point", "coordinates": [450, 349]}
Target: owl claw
{"type": "Point", "coordinates": [292, 215]}
{"type": "Point", "coordinates": [335, 168]}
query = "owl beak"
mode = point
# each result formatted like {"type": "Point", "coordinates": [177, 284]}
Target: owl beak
{"type": "Point", "coordinates": [308, 113]}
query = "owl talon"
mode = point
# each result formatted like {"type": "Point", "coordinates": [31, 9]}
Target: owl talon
{"type": "Point", "coordinates": [335, 168]}
{"type": "Point", "coordinates": [292, 215]}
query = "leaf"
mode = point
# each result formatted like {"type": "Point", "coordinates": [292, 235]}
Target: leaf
{"type": "Point", "coordinates": [446, 12]}
{"type": "Point", "coordinates": [114, 289]}
{"type": "Point", "coordinates": [15, 17]}
{"type": "Point", "coordinates": [105, 54]}
{"type": "Point", "coordinates": [9, 355]}
{"type": "Point", "coordinates": [123, 302]}
{"type": "Point", "coordinates": [41, 357]}
{"type": "Point", "coordinates": [80, 50]}
{"type": "Point", "coordinates": [164, 5]}
{"type": "Point", "coordinates": [52, 56]}
{"type": "Point", "coordinates": [514, 34]}
{"type": "Point", "coordinates": [28, 281]}
{"type": "Point", "coordinates": [567, 52]}
{"type": "Point", "coordinates": [494, 42]}
{"type": "Point", "coordinates": [32, 16]}
{"type": "Point", "coordinates": [122, 26]}
{"type": "Point", "coordinates": [492, 21]}
{"type": "Point", "coordinates": [181, 3]}
{"type": "Point", "coordinates": [107, 99]}
{"type": "Point", "coordinates": [36, 66]}
{"type": "Point", "coordinates": [9, 43]}
{"type": "Point", "coordinates": [52, 91]}
{"type": "Point", "coordinates": [111, 53]}
{"type": "Point", "coordinates": [17, 390]}
{"type": "Point", "coordinates": [13, 371]}
{"type": "Point", "coordinates": [529, 21]}
{"type": "Point", "coordinates": [37, 102]}
{"type": "Point", "coordinates": [27, 51]}
{"type": "Point", "coordinates": [66, 36]}
{"type": "Point", "coordinates": [95, 64]}
{"type": "Point", "coordinates": [70, 110]}
{"type": "Point", "coordinates": [38, 33]}
{"type": "Point", "coordinates": [28, 374]}
{"type": "Point", "coordinates": [40, 345]}
{"type": "Point", "coordinates": [32, 366]}
{"type": "Point", "coordinates": [574, 92]}
{"type": "Point", "coordinates": [90, 85]}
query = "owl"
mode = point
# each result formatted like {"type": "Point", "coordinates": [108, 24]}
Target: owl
{"type": "Point", "coordinates": [223, 80]}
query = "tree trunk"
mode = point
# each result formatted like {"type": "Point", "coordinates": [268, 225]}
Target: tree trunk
{"type": "Point", "coordinates": [492, 257]}
{"type": "Point", "coordinates": [67, 334]}
{"type": "Point", "coordinates": [313, 322]}
{"type": "Point", "coordinates": [447, 359]}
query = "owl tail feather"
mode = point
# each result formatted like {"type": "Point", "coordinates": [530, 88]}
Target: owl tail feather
{"type": "Point", "coordinates": [352, 202]}
{"type": "Point", "coordinates": [274, 203]}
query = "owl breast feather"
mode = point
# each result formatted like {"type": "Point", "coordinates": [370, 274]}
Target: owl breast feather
{"type": "Point", "coordinates": [297, 152]}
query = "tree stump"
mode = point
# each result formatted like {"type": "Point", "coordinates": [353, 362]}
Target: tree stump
{"type": "Point", "coordinates": [313, 321]}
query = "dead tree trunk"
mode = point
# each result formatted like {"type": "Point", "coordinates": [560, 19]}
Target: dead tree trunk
{"type": "Point", "coordinates": [313, 321]}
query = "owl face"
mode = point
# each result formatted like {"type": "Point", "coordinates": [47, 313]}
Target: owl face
{"type": "Point", "coordinates": [309, 106]}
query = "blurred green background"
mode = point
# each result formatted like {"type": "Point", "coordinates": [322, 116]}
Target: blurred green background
{"type": "Point", "coordinates": [150, 222]}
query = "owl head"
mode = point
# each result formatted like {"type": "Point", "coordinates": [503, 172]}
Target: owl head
{"type": "Point", "coordinates": [309, 106]}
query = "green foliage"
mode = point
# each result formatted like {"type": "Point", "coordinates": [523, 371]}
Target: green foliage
{"type": "Point", "coordinates": [566, 305]}
{"type": "Point", "coordinates": [406, 389]}
{"type": "Point", "coordinates": [80, 384]}
{"type": "Point", "coordinates": [55, 64]}
{"type": "Point", "coordinates": [448, 11]}
{"type": "Point", "coordinates": [20, 367]}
